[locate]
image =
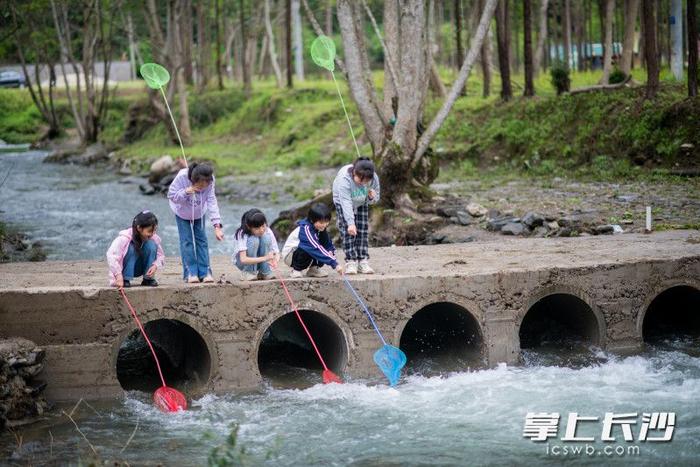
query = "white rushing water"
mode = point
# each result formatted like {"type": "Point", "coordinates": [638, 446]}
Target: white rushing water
{"type": "Point", "coordinates": [469, 418]}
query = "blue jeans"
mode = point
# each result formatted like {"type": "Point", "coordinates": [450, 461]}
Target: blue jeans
{"type": "Point", "coordinates": [193, 265]}
{"type": "Point", "coordinates": [135, 265]}
{"type": "Point", "coordinates": [257, 247]}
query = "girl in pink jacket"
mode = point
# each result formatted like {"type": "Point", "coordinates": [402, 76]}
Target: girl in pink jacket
{"type": "Point", "coordinates": [136, 252]}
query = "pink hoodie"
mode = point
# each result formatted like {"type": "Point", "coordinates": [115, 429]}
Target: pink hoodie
{"type": "Point", "coordinates": [118, 249]}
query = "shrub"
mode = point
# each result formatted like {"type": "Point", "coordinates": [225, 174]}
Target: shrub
{"type": "Point", "coordinates": [617, 76]}
{"type": "Point", "coordinates": [560, 77]}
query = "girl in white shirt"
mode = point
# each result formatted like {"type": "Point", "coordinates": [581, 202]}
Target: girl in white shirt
{"type": "Point", "coordinates": [256, 247]}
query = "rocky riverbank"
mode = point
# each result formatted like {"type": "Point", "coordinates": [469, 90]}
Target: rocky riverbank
{"type": "Point", "coordinates": [16, 246]}
{"type": "Point", "coordinates": [461, 211]}
{"type": "Point", "coordinates": [20, 394]}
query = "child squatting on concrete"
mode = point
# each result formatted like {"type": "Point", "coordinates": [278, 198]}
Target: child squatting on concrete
{"type": "Point", "coordinates": [355, 187]}
{"type": "Point", "coordinates": [256, 250]}
{"type": "Point", "coordinates": [310, 246]}
{"type": "Point", "coordinates": [136, 252]}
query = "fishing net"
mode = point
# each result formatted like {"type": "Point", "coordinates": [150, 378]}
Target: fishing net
{"type": "Point", "coordinates": [390, 360]}
{"type": "Point", "coordinates": [156, 76]}
{"type": "Point", "coordinates": [165, 398]}
{"type": "Point", "coordinates": [323, 52]}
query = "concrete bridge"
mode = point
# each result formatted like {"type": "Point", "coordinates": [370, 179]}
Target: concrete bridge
{"type": "Point", "coordinates": [475, 304]}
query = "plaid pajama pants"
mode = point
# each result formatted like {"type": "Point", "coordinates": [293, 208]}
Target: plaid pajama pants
{"type": "Point", "coordinates": [357, 247]}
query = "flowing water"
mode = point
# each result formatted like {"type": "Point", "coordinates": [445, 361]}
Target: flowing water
{"type": "Point", "coordinates": [467, 418]}
{"type": "Point", "coordinates": [458, 418]}
{"type": "Point", "coordinates": [75, 211]}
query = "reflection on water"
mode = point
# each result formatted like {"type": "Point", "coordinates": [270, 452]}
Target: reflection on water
{"type": "Point", "coordinates": [464, 418]}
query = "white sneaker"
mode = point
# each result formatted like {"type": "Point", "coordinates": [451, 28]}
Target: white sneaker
{"type": "Point", "coordinates": [351, 267]}
{"type": "Point", "coordinates": [208, 279]}
{"type": "Point", "coordinates": [266, 277]}
{"type": "Point", "coordinates": [315, 271]}
{"type": "Point", "coordinates": [296, 274]}
{"type": "Point", "coordinates": [193, 280]}
{"type": "Point", "coordinates": [248, 276]}
{"type": "Point", "coordinates": [365, 268]}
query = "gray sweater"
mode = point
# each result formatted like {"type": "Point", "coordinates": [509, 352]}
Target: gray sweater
{"type": "Point", "coordinates": [350, 195]}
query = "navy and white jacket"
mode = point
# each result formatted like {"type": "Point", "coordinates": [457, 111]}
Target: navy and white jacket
{"type": "Point", "coordinates": [315, 243]}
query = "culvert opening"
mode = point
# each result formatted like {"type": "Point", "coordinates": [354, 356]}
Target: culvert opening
{"type": "Point", "coordinates": [441, 337]}
{"type": "Point", "coordinates": [674, 314]}
{"type": "Point", "coordinates": [286, 356]}
{"type": "Point", "coordinates": [183, 355]}
{"type": "Point", "coordinates": [559, 329]}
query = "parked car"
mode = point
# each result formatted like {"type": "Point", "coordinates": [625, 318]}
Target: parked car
{"type": "Point", "coordinates": [12, 79]}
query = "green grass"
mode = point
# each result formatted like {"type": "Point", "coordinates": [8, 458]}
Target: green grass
{"type": "Point", "coordinates": [591, 135]}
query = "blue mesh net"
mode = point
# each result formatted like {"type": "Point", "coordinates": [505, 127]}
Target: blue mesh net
{"type": "Point", "coordinates": [390, 360]}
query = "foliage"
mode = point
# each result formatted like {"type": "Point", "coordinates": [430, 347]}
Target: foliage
{"type": "Point", "coordinates": [617, 76]}
{"type": "Point", "coordinates": [232, 453]}
{"type": "Point", "coordinates": [560, 77]}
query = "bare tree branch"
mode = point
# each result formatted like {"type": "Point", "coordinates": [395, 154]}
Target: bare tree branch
{"type": "Point", "coordinates": [389, 58]}
{"type": "Point", "coordinates": [455, 90]}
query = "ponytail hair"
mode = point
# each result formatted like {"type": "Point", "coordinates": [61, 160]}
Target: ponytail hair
{"type": "Point", "coordinates": [143, 219]}
{"type": "Point", "coordinates": [251, 219]}
{"type": "Point", "coordinates": [200, 172]}
{"type": "Point", "coordinates": [363, 167]}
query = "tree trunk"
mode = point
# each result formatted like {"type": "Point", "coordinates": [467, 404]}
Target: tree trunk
{"type": "Point", "coordinates": [271, 46]}
{"type": "Point", "coordinates": [288, 26]}
{"type": "Point", "coordinates": [245, 66]}
{"type": "Point", "coordinates": [132, 47]}
{"type": "Point", "coordinates": [607, 57]}
{"type": "Point", "coordinates": [435, 83]}
{"type": "Point", "coordinates": [217, 19]}
{"type": "Point", "coordinates": [515, 38]}
{"type": "Point", "coordinates": [527, 52]}
{"type": "Point", "coordinates": [503, 52]}
{"type": "Point", "coordinates": [392, 40]}
{"type": "Point", "coordinates": [567, 33]}
{"type": "Point", "coordinates": [485, 58]}
{"type": "Point", "coordinates": [459, 57]}
{"type": "Point", "coordinates": [202, 45]}
{"type": "Point", "coordinates": [298, 42]}
{"type": "Point", "coordinates": [184, 120]}
{"type": "Point", "coordinates": [692, 49]}
{"type": "Point", "coordinates": [401, 158]}
{"type": "Point", "coordinates": [579, 22]}
{"type": "Point", "coordinates": [631, 13]}
{"type": "Point", "coordinates": [650, 49]}
{"type": "Point", "coordinates": [676, 33]}
{"type": "Point", "coordinates": [329, 17]}
{"type": "Point", "coordinates": [187, 31]}
{"type": "Point", "coordinates": [47, 111]}
{"type": "Point", "coordinates": [96, 29]}
{"type": "Point", "coordinates": [542, 35]}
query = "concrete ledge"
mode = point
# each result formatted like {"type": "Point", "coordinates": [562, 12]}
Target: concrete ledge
{"type": "Point", "coordinates": [67, 308]}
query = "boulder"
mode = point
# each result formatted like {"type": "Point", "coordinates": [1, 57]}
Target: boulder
{"type": "Point", "coordinates": [513, 228]}
{"type": "Point", "coordinates": [476, 210]}
{"type": "Point", "coordinates": [533, 220]}
{"type": "Point", "coordinates": [495, 225]}
{"type": "Point", "coordinates": [604, 229]}
{"type": "Point", "coordinates": [464, 218]}
{"type": "Point", "coordinates": [161, 167]}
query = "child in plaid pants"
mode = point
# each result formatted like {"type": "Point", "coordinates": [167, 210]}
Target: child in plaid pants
{"type": "Point", "coordinates": [355, 187]}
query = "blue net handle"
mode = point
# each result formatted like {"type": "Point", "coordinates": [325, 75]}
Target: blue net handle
{"type": "Point", "coordinates": [364, 307]}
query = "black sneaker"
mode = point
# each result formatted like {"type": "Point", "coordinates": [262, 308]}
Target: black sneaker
{"type": "Point", "coordinates": [149, 282]}
{"type": "Point", "coordinates": [127, 283]}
